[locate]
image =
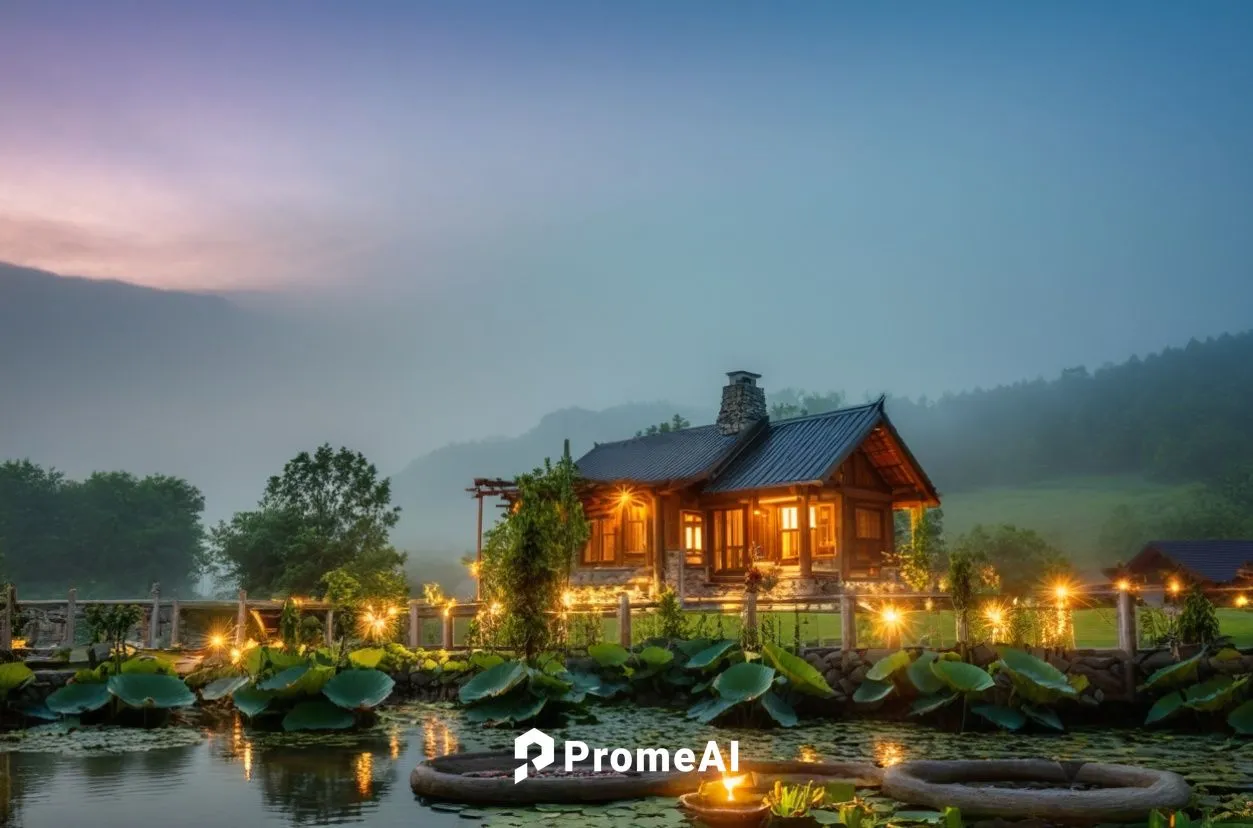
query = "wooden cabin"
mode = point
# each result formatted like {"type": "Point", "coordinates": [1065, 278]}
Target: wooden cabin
{"type": "Point", "coordinates": [810, 497]}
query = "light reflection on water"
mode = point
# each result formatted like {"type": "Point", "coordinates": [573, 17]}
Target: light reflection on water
{"type": "Point", "coordinates": [238, 778]}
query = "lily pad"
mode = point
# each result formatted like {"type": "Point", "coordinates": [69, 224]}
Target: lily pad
{"type": "Point", "coordinates": [711, 655]}
{"type": "Point", "coordinates": [1035, 679]}
{"type": "Point", "coordinates": [779, 710]}
{"type": "Point", "coordinates": [359, 689]}
{"type": "Point", "coordinates": [962, 677]}
{"type": "Point", "coordinates": [932, 703]}
{"type": "Point", "coordinates": [920, 675]}
{"type": "Point", "coordinates": [318, 715]}
{"type": "Point", "coordinates": [37, 710]}
{"type": "Point", "coordinates": [1001, 716]}
{"type": "Point", "coordinates": [14, 676]}
{"type": "Point", "coordinates": [151, 691]}
{"type": "Point", "coordinates": [1174, 675]}
{"type": "Point", "coordinates": [884, 668]}
{"type": "Point", "coordinates": [656, 656]}
{"type": "Point", "coordinates": [493, 682]}
{"type": "Point", "coordinates": [1241, 719]}
{"type": "Point", "coordinates": [1043, 716]}
{"type": "Point", "coordinates": [802, 675]}
{"type": "Point", "coordinates": [870, 691]}
{"type": "Point", "coordinates": [77, 699]}
{"type": "Point", "coordinates": [285, 679]}
{"type": "Point", "coordinates": [1214, 693]}
{"type": "Point", "coordinates": [608, 654]}
{"type": "Point", "coordinates": [367, 658]}
{"type": "Point", "coordinates": [251, 701]}
{"type": "Point", "coordinates": [223, 687]}
{"type": "Point", "coordinates": [706, 710]}
{"type": "Point", "coordinates": [516, 707]}
{"type": "Point", "coordinates": [744, 682]}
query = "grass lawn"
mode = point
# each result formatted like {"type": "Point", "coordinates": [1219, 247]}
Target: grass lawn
{"type": "Point", "coordinates": [1069, 513]}
{"type": "Point", "coordinates": [1094, 628]}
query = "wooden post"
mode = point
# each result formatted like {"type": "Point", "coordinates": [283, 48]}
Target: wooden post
{"type": "Point", "coordinates": [71, 608]}
{"type": "Point", "coordinates": [154, 625]}
{"type": "Point", "coordinates": [1127, 622]}
{"type": "Point", "coordinates": [175, 612]}
{"type": "Point", "coordinates": [478, 555]}
{"type": "Point", "coordinates": [750, 618]}
{"type": "Point", "coordinates": [848, 622]}
{"type": "Point", "coordinates": [448, 629]}
{"type": "Point", "coordinates": [329, 631]}
{"type": "Point", "coordinates": [659, 545]}
{"type": "Point", "coordinates": [962, 628]}
{"type": "Point", "coordinates": [415, 627]}
{"type": "Point", "coordinates": [241, 620]}
{"type": "Point", "coordinates": [806, 551]}
{"type": "Point", "coordinates": [6, 620]}
{"type": "Point", "coordinates": [624, 620]}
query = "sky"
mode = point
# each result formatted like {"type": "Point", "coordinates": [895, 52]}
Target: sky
{"type": "Point", "coordinates": [534, 205]}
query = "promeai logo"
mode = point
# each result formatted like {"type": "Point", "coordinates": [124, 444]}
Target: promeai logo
{"type": "Point", "coordinates": [547, 752]}
{"type": "Point", "coordinates": [622, 760]}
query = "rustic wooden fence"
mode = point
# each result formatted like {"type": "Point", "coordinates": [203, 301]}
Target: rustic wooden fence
{"type": "Point", "coordinates": [169, 635]}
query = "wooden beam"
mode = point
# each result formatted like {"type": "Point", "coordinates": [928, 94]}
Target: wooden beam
{"type": "Point", "coordinates": [866, 494]}
{"type": "Point", "coordinates": [478, 554]}
{"type": "Point", "coordinates": [659, 543]}
{"type": "Point", "coordinates": [806, 552]}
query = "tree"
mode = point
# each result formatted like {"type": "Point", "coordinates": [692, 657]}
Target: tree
{"type": "Point", "coordinates": [113, 533]}
{"type": "Point", "coordinates": [920, 549]}
{"type": "Point", "coordinates": [527, 557]}
{"type": "Point", "coordinates": [793, 402]}
{"type": "Point", "coordinates": [676, 423]}
{"type": "Point", "coordinates": [1023, 561]}
{"type": "Point", "coordinates": [327, 511]}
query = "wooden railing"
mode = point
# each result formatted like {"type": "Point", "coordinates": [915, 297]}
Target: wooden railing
{"type": "Point", "coordinates": [748, 606]}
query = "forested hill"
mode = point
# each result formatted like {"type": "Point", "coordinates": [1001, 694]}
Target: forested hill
{"type": "Point", "coordinates": [1185, 414]}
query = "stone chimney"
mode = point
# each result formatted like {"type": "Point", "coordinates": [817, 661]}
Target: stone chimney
{"type": "Point", "coordinates": [743, 403]}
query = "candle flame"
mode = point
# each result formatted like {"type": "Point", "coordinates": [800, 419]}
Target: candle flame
{"type": "Point", "coordinates": [730, 783]}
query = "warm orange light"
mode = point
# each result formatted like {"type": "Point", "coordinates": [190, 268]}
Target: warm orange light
{"type": "Point", "coordinates": [995, 615]}
{"type": "Point", "coordinates": [217, 641]}
{"type": "Point", "coordinates": [731, 783]}
{"type": "Point", "coordinates": [448, 607]}
{"type": "Point", "coordinates": [474, 569]}
{"type": "Point", "coordinates": [235, 655]}
{"type": "Point", "coordinates": [1242, 601]}
{"type": "Point", "coordinates": [624, 497]}
{"type": "Point", "coordinates": [1174, 586]}
{"type": "Point", "coordinates": [1061, 591]}
{"type": "Point", "coordinates": [567, 599]}
{"type": "Point", "coordinates": [392, 612]}
{"type": "Point", "coordinates": [1124, 585]}
{"type": "Point", "coordinates": [890, 616]}
{"type": "Point", "coordinates": [495, 608]}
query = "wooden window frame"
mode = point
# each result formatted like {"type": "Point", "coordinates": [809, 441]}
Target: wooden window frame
{"type": "Point", "coordinates": [692, 537]}
{"type": "Point", "coordinates": [816, 547]}
{"type": "Point", "coordinates": [721, 549]}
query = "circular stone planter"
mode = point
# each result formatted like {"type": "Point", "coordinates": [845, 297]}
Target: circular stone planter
{"type": "Point", "coordinates": [737, 813]}
{"type": "Point", "coordinates": [1119, 793]}
{"type": "Point", "coordinates": [487, 779]}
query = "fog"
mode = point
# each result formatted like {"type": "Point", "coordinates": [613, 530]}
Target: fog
{"type": "Point", "coordinates": [404, 228]}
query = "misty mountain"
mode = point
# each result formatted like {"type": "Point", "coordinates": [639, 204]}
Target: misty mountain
{"type": "Point", "coordinates": [438, 515]}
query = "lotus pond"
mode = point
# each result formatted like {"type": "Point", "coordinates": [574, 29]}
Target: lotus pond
{"type": "Point", "coordinates": [223, 773]}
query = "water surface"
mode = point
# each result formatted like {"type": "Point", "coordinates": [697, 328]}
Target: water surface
{"type": "Point", "coordinates": [230, 776]}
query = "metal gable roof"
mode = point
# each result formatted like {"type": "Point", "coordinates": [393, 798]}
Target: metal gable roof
{"type": "Point", "coordinates": [799, 450]}
{"type": "Point", "coordinates": [657, 458]}
{"type": "Point", "coordinates": [1214, 560]}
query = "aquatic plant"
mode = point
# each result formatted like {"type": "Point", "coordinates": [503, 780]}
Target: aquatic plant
{"type": "Point", "coordinates": [745, 688]}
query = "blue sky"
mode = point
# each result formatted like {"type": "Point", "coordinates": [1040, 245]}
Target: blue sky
{"type": "Point", "coordinates": [913, 197]}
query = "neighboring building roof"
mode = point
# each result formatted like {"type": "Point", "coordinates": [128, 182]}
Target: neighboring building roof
{"type": "Point", "coordinates": [1218, 561]}
{"type": "Point", "coordinates": [799, 450]}
{"type": "Point", "coordinates": [787, 452]}
{"type": "Point", "coordinates": [657, 458]}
